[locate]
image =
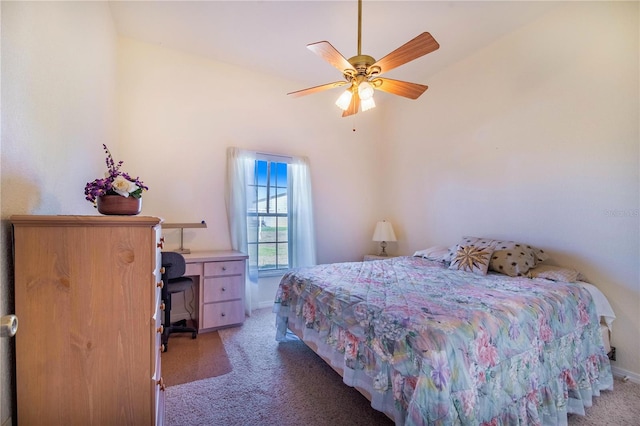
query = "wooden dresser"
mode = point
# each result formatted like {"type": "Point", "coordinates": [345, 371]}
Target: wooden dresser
{"type": "Point", "coordinates": [221, 277]}
{"type": "Point", "coordinates": [87, 295]}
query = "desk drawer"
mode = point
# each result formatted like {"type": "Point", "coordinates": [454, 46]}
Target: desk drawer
{"type": "Point", "coordinates": [230, 267]}
{"type": "Point", "coordinates": [221, 289]}
{"type": "Point", "coordinates": [223, 313]}
{"type": "Point", "coordinates": [192, 269]}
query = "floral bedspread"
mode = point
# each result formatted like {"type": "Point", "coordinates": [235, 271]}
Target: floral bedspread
{"type": "Point", "coordinates": [453, 347]}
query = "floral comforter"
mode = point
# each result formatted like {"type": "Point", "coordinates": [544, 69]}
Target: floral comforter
{"type": "Point", "coordinates": [452, 347]}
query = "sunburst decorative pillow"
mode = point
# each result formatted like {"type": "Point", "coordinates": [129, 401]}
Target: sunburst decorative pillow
{"type": "Point", "coordinates": [471, 259]}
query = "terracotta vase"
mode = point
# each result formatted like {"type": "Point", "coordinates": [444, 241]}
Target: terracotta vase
{"type": "Point", "coordinates": [118, 205]}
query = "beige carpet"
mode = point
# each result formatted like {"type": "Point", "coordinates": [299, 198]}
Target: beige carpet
{"type": "Point", "coordinates": [188, 360]}
{"type": "Point", "coordinates": [286, 384]}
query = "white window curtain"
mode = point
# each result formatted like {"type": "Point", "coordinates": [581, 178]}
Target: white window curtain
{"type": "Point", "coordinates": [302, 235]}
{"type": "Point", "coordinates": [240, 170]}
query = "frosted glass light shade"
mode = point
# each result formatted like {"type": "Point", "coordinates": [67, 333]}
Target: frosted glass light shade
{"type": "Point", "coordinates": [367, 104]}
{"type": "Point", "coordinates": [344, 100]}
{"type": "Point", "coordinates": [365, 91]}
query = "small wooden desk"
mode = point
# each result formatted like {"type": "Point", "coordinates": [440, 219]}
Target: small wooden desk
{"type": "Point", "coordinates": [221, 287]}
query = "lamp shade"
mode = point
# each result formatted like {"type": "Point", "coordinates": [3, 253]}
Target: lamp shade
{"type": "Point", "coordinates": [344, 100]}
{"type": "Point", "coordinates": [384, 232]}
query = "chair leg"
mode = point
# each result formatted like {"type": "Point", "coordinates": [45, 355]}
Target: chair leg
{"type": "Point", "coordinates": [179, 326]}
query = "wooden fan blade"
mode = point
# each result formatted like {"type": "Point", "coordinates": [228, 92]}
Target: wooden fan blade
{"type": "Point", "coordinates": [326, 51]}
{"type": "Point", "coordinates": [401, 88]}
{"type": "Point", "coordinates": [354, 106]}
{"type": "Point", "coordinates": [316, 89]}
{"type": "Point", "coordinates": [419, 46]}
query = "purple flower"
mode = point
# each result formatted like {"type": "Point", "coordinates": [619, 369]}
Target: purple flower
{"type": "Point", "coordinates": [105, 186]}
{"type": "Point", "coordinates": [440, 372]}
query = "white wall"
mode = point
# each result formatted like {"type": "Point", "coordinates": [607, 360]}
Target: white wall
{"type": "Point", "coordinates": [58, 107]}
{"type": "Point", "coordinates": [534, 138]}
{"type": "Point", "coordinates": [180, 112]}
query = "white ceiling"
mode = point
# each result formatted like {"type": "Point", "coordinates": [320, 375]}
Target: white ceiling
{"type": "Point", "coordinates": [271, 36]}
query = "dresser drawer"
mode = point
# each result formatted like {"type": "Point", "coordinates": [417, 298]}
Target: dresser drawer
{"type": "Point", "coordinates": [230, 267]}
{"type": "Point", "coordinates": [220, 289]}
{"type": "Point", "coordinates": [223, 313]}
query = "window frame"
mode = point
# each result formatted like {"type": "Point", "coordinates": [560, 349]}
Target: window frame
{"type": "Point", "coordinates": [271, 158]}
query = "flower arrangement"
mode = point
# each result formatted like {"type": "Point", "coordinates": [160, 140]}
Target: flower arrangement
{"type": "Point", "coordinates": [115, 182]}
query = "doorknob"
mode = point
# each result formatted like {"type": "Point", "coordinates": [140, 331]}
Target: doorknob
{"type": "Point", "coordinates": [8, 326]}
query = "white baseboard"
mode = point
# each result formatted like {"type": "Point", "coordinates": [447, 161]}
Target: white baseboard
{"type": "Point", "coordinates": [622, 373]}
{"type": "Point", "coordinates": [265, 304]}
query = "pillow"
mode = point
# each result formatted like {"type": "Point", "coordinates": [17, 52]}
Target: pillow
{"type": "Point", "coordinates": [514, 262]}
{"type": "Point", "coordinates": [468, 241]}
{"type": "Point", "coordinates": [509, 258]}
{"type": "Point", "coordinates": [436, 253]}
{"type": "Point", "coordinates": [539, 255]}
{"type": "Point", "coordinates": [471, 259]}
{"type": "Point", "coordinates": [554, 273]}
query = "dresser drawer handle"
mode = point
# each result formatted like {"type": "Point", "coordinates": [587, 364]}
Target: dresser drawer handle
{"type": "Point", "coordinates": [162, 306]}
{"type": "Point", "coordinates": [162, 270]}
{"type": "Point", "coordinates": [160, 284]}
{"type": "Point", "coordinates": [223, 314]}
{"type": "Point", "coordinates": [160, 329]}
{"type": "Point", "coordinates": [224, 289]}
{"type": "Point", "coordinates": [161, 384]}
{"type": "Point", "coordinates": [224, 268]}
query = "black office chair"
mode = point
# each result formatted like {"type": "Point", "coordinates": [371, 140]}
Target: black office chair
{"type": "Point", "coordinates": [174, 282]}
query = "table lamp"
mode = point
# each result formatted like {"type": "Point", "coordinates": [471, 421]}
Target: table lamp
{"type": "Point", "coordinates": [383, 233]}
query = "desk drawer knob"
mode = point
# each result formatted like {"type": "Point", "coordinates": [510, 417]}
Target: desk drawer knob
{"type": "Point", "coordinates": [162, 270]}
{"type": "Point", "coordinates": [223, 314]}
{"type": "Point", "coordinates": [160, 284]}
{"type": "Point", "coordinates": [161, 384]}
{"type": "Point", "coordinates": [223, 289]}
{"type": "Point", "coordinates": [160, 329]}
{"type": "Point", "coordinates": [162, 306]}
{"type": "Point", "coordinates": [224, 268]}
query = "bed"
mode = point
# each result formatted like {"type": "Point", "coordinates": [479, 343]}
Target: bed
{"type": "Point", "coordinates": [432, 344]}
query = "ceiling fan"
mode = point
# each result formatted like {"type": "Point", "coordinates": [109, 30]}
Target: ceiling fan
{"type": "Point", "coordinates": [362, 72]}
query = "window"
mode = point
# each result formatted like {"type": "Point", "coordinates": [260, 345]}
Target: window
{"type": "Point", "coordinates": [270, 211]}
{"type": "Point", "coordinates": [268, 216]}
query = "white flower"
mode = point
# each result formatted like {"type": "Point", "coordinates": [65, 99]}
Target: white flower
{"type": "Point", "coordinates": [123, 186]}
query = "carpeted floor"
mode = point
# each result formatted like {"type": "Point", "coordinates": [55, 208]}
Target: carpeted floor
{"type": "Point", "coordinates": [286, 384]}
{"type": "Point", "coordinates": [188, 360]}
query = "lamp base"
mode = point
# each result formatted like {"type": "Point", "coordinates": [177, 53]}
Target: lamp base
{"type": "Point", "coordinates": [383, 246]}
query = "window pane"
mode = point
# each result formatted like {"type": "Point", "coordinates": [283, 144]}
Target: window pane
{"type": "Point", "coordinates": [283, 229]}
{"type": "Point", "coordinates": [283, 255]}
{"type": "Point", "coordinates": [281, 200]}
{"type": "Point", "coordinates": [252, 229]}
{"type": "Point", "coordinates": [267, 229]}
{"type": "Point", "coordinates": [261, 172]}
{"type": "Point", "coordinates": [267, 256]}
{"type": "Point", "coordinates": [281, 174]}
{"type": "Point", "coordinates": [262, 199]}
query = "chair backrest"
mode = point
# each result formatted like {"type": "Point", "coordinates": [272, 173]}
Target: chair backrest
{"type": "Point", "coordinates": [174, 264]}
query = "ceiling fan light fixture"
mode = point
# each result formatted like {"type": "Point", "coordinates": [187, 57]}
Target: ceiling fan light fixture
{"type": "Point", "coordinates": [344, 100]}
{"type": "Point", "coordinates": [367, 104]}
{"type": "Point", "coordinates": [365, 91]}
